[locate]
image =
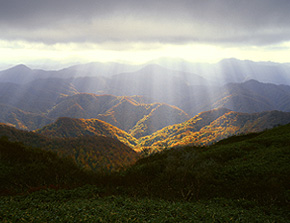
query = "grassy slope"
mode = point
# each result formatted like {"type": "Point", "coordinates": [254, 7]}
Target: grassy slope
{"type": "Point", "coordinates": [85, 205]}
{"type": "Point", "coordinates": [24, 168]}
{"type": "Point", "coordinates": [240, 179]}
{"type": "Point", "coordinates": [256, 166]}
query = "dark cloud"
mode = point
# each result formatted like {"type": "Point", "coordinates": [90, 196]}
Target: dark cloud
{"type": "Point", "coordinates": [218, 21]}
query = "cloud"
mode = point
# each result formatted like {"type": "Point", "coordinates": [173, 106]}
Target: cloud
{"type": "Point", "coordinates": [245, 22]}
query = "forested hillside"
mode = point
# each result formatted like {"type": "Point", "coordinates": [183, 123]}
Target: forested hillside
{"type": "Point", "coordinates": [243, 178]}
{"type": "Point", "coordinates": [93, 152]}
{"type": "Point", "coordinates": [127, 96]}
{"type": "Point", "coordinates": [212, 126]}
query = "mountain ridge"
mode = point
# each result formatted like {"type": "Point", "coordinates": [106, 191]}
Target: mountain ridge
{"type": "Point", "coordinates": [65, 127]}
{"type": "Point", "coordinates": [212, 126]}
{"type": "Point", "coordinates": [66, 96]}
{"type": "Point", "coordinates": [93, 152]}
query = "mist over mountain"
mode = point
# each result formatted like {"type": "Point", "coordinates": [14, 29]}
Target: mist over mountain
{"type": "Point", "coordinates": [23, 74]}
{"type": "Point", "coordinates": [232, 70]}
{"type": "Point", "coordinates": [108, 114]}
{"type": "Point", "coordinates": [140, 99]}
{"type": "Point", "coordinates": [225, 71]}
{"type": "Point", "coordinates": [250, 96]}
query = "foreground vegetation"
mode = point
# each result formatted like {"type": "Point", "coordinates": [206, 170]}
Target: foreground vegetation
{"type": "Point", "coordinates": [240, 179]}
{"type": "Point", "coordinates": [85, 205]}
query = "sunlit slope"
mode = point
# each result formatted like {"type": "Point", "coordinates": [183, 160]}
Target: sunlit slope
{"type": "Point", "coordinates": [212, 126]}
{"type": "Point", "coordinates": [71, 127]}
{"type": "Point", "coordinates": [124, 112]}
{"type": "Point", "coordinates": [254, 166]}
{"type": "Point", "coordinates": [143, 119]}
{"type": "Point", "coordinates": [94, 152]}
{"type": "Point", "coordinates": [161, 116]}
{"type": "Point", "coordinates": [83, 106]}
{"type": "Point", "coordinates": [49, 95]}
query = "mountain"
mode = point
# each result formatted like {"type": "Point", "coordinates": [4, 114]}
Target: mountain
{"type": "Point", "coordinates": [250, 96]}
{"type": "Point", "coordinates": [253, 166]}
{"type": "Point", "coordinates": [93, 152]}
{"type": "Point", "coordinates": [232, 70]}
{"type": "Point", "coordinates": [96, 85]}
{"type": "Point", "coordinates": [37, 96]}
{"type": "Point", "coordinates": [83, 106]}
{"type": "Point", "coordinates": [243, 178]}
{"type": "Point", "coordinates": [71, 127]}
{"type": "Point", "coordinates": [142, 119]}
{"type": "Point", "coordinates": [161, 116]}
{"type": "Point", "coordinates": [97, 69]}
{"type": "Point", "coordinates": [49, 95]}
{"type": "Point", "coordinates": [21, 119]}
{"type": "Point", "coordinates": [48, 170]}
{"type": "Point", "coordinates": [223, 72]}
{"type": "Point", "coordinates": [18, 74]}
{"type": "Point", "coordinates": [212, 126]}
{"type": "Point", "coordinates": [122, 112]}
{"type": "Point", "coordinates": [253, 96]}
{"type": "Point", "coordinates": [155, 82]}
{"type": "Point", "coordinates": [21, 74]}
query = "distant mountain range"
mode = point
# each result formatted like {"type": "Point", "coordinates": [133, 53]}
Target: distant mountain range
{"type": "Point", "coordinates": [30, 99]}
{"type": "Point", "coordinates": [160, 104]}
{"type": "Point", "coordinates": [35, 104]}
{"type": "Point", "coordinates": [232, 70]}
{"type": "Point", "coordinates": [203, 129]}
{"type": "Point", "coordinates": [223, 72]}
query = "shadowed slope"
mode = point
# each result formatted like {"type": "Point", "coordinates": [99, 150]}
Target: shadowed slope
{"type": "Point", "coordinates": [94, 152]}
{"type": "Point", "coordinates": [254, 167]}
{"type": "Point", "coordinates": [21, 119]}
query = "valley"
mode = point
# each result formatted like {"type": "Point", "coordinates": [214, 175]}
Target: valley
{"type": "Point", "coordinates": [145, 136]}
{"type": "Point", "coordinates": [145, 111]}
{"type": "Point", "coordinates": [145, 107]}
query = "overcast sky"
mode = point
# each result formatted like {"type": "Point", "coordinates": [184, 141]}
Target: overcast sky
{"type": "Point", "coordinates": [133, 30]}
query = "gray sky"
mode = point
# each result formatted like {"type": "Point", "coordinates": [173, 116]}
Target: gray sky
{"type": "Point", "coordinates": [75, 28]}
